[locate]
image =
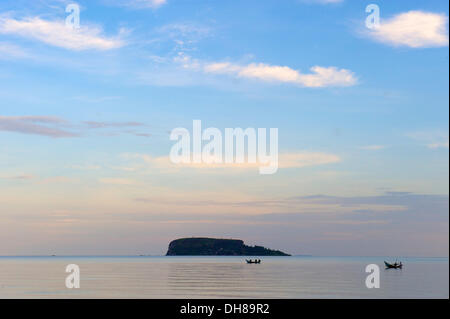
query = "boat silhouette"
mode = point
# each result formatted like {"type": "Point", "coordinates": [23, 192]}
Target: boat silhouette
{"type": "Point", "coordinates": [395, 265]}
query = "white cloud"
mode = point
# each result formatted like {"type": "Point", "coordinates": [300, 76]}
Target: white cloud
{"type": "Point", "coordinates": [56, 33]}
{"type": "Point", "coordinates": [222, 68]}
{"type": "Point", "coordinates": [269, 73]}
{"type": "Point", "coordinates": [415, 29]}
{"type": "Point", "coordinates": [286, 160]}
{"type": "Point", "coordinates": [319, 76]}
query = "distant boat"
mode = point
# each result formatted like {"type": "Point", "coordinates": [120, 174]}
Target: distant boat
{"type": "Point", "coordinates": [256, 261]}
{"type": "Point", "coordinates": [395, 265]}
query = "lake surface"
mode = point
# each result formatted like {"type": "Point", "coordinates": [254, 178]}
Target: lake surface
{"type": "Point", "coordinates": [221, 277]}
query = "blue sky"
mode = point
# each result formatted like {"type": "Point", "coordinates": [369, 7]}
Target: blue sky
{"type": "Point", "coordinates": [362, 114]}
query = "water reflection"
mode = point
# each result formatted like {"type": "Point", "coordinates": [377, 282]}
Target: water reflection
{"type": "Point", "coordinates": [220, 277]}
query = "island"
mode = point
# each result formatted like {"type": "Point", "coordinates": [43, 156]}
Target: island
{"type": "Point", "coordinates": [217, 247]}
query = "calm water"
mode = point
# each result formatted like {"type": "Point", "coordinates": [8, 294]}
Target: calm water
{"type": "Point", "coordinates": [221, 277]}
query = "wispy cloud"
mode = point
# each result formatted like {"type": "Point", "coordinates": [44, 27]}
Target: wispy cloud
{"type": "Point", "coordinates": [150, 3]}
{"type": "Point", "coordinates": [322, 1]}
{"type": "Point", "coordinates": [361, 208]}
{"type": "Point", "coordinates": [286, 160]}
{"type": "Point", "coordinates": [119, 127]}
{"type": "Point", "coordinates": [56, 127]}
{"type": "Point", "coordinates": [415, 29]}
{"type": "Point", "coordinates": [95, 124]}
{"type": "Point", "coordinates": [431, 139]}
{"type": "Point", "coordinates": [139, 4]}
{"type": "Point", "coordinates": [304, 159]}
{"type": "Point", "coordinates": [37, 125]}
{"type": "Point", "coordinates": [183, 35]}
{"type": "Point", "coordinates": [372, 147]}
{"type": "Point", "coordinates": [11, 51]}
{"type": "Point", "coordinates": [99, 99]}
{"type": "Point", "coordinates": [56, 33]}
{"type": "Point", "coordinates": [117, 181]}
{"type": "Point", "coordinates": [319, 76]}
{"type": "Point", "coordinates": [20, 177]}
{"type": "Point", "coordinates": [438, 145]}
{"type": "Point", "coordinates": [185, 30]}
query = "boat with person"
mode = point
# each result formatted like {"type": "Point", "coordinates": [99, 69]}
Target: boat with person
{"type": "Point", "coordinates": [395, 265]}
{"type": "Point", "coordinates": [256, 261]}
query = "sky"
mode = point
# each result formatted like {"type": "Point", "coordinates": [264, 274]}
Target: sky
{"type": "Point", "coordinates": [86, 115]}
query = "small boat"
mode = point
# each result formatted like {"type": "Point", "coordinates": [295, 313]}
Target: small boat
{"type": "Point", "coordinates": [395, 265]}
{"type": "Point", "coordinates": [256, 261]}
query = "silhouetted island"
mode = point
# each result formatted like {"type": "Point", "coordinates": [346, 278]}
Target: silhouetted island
{"type": "Point", "coordinates": [217, 247]}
